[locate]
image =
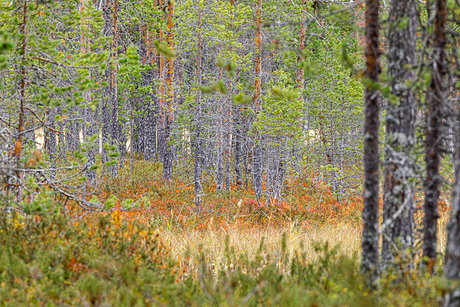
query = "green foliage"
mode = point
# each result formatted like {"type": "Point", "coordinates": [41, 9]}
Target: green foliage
{"type": "Point", "coordinates": [110, 262]}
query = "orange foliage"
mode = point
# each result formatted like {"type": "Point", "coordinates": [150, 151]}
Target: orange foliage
{"type": "Point", "coordinates": [308, 203]}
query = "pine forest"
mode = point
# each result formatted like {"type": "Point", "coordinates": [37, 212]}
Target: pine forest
{"type": "Point", "coordinates": [229, 153]}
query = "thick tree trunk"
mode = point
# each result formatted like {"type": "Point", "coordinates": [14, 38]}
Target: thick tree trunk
{"type": "Point", "coordinates": [370, 238]}
{"type": "Point", "coordinates": [452, 261]}
{"type": "Point", "coordinates": [433, 135]}
{"type": "Point", "coordinates": [399, 206]}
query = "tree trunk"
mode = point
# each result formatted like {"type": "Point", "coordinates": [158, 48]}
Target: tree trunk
{"type": "Point", "coordinates": [452, 261]}
{"type": "Point", "coordinates": [399, 206]}
{"type": "Point", "coordinates": [220, 150]}
{"type": "Point", "coordinates": [116, 127]}
{"type": "Point", "coordinates": [237, 148]}
{"type": "Point", "coordinates": [433, 135]}
{"type": "Point", "coordinates": [50, 141]}
{"type": "Point", "coordinates": [257, 158]}
{"type": "Point", "coordinates": [105, 108]}
{"type": "Point", "coordinates": [197, 167]}
{"type": "Point", "coordinates": [169, 116]}
{"type": "Point", "coordinates": [19, 138]}
{"type": "Point", "coordinates": [370, 242]}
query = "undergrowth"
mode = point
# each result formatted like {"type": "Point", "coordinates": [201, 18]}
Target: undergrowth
{"type": "Point", "coordinates": [235, 250]}
{"type": "Point", "coordinates": [50, 261]}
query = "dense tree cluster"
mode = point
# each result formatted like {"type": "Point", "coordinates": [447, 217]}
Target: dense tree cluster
{"type": "Point", "coordinates": [249, 91]}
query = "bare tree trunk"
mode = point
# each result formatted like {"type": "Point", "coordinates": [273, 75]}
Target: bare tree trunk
{"type": "Point", "coordinates": [220, 150]}
{"type": "Point", "coordinates": [149, 105]}
{"type": "Point", "coordinates": [370, 238]}
{"type": "Point", "coordinates": [50, 141]}
{"type": "Point", "coordinates": [91, 129]}
{"type": "Point", "coordinates": [19, 138]}
{"type": "Point", "coordinates": [433, 135]}
{"type": "Point", "coordinates": [89, 126]}
{"type": "Point", "coordinates": [257, 158]}
{"type": "Point", "coordinates": [228, 140]}
{"type": "Point", "coordinates": [169, 116]}
{"type": "Point", "coordinates": [105, 108]}
{"type": "Point", "coordinates": [237, 148]}
{"type": "Point", "coordinates": [197, 167]}
{"type": "Point", "coordinates": [115, 130]}
{"type": "Point", "coordinates": [399, 206]}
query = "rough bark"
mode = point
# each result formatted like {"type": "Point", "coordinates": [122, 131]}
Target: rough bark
{"type": "Point", "coordinates": [370, 246]}
{"type": "Point", "coordinates": [399, 206]}
{"type": "Point", "coordinates": [257, 157]}
{"type": "Point", "coordinates": [433, 134]}
{"type": "Point", "coordinates": [452, 260]}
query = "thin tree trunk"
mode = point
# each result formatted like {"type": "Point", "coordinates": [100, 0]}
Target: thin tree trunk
{"type": "Point", "coordinates": [21, 121]}
{"type": "Point", "coordinates": [105, 108]}
{"type": "Point", "coordinates": [168, 152]}
{"type": "Point", "coordinates": [115, 130]}
{"type": "Point", "coordinates": [220, 151]}
{"type": "Point", "coordinates": [50, 141]}
{"type": "Point", "coordinates": [149, 106]}
{"type": "Point", "coordinates": [237, 148]}
{"type": "Point", "coordinates": [197, 169]}
{"type": "Point", "coordinates": [161, 110]}
{"type": "Point", "coordinates": [257, 158]}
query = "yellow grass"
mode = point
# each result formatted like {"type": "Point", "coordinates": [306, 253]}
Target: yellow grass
{"type": "Point", "coordinates": [188, 246]}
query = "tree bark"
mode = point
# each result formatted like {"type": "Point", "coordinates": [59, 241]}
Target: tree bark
{"type": "Point", "coordinates": [433, 135]}
{"type": "Point", "coordinates": [452, 260]}
{"type": "Point", "coordinates": [197, 166]}
{"type": "Point", "coordinates": [399, 206]}
{"type": "Point", "coordinates": [370, 245]}
{"type": "Point", "coordinates": [257, 157]}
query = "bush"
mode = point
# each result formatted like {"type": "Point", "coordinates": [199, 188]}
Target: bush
{"type": "Point", "coordinates": [56, 262]}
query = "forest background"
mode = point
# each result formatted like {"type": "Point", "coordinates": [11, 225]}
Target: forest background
{"type": "Point", "coordinates": [201, 152]}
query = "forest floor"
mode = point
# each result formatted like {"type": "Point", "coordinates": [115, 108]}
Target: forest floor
{"type": "Point", "coordinates": [310, 213]}
{"type": "Point", "coordinates": [233, 251]}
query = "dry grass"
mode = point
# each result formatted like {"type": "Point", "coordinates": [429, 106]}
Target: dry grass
{"type": "Point", "coordinates": [188, 247]}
